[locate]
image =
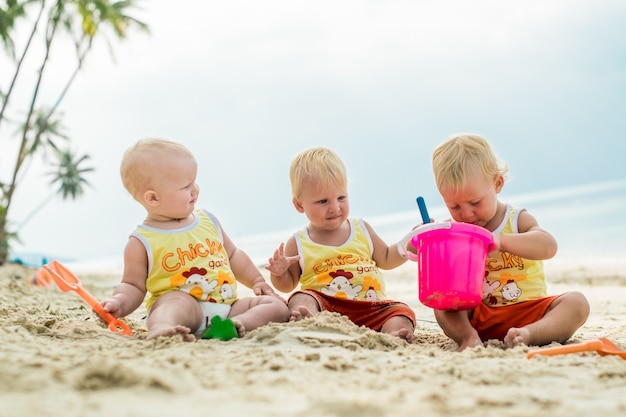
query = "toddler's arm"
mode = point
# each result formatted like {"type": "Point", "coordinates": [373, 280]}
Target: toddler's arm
{"type": "Point", "coordinates": [531, 241]}
{"type": "Point", "coordinates": [130, 293]}
{"type": "Point", "coordinates": [126, 298]}
{"type": "Point", "coordinates": [244, 268]}
{"type": "Point", "coordinates": [386, 256]}
{"type": "Point", "coordinates": [248, 274]}
{"type": "Point", "coordinates": [261, 287]}
{"type": "Point", "coordinates": [285, 270]}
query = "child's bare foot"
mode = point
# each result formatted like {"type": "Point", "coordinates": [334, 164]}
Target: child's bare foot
{"type": "Point", "coordinates": [404, 334]}
{"type": "Point", "coordinates": [241, 329]}
{"type": "Point", "coordinates": [300, 313]}
{"type": "Point", "coordinates": [516, 337]}
{"type": "Point", "coordinates": [169, 331]}
{"type": "Point", "coordinates": [470, 343]}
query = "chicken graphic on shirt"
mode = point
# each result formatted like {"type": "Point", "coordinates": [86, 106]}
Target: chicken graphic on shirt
{"type": "Point", "coordinates": [340, 285]}
{"type": "Point", "coordinates": [197, 284]}
{"type": "Point", "coordinates": [511, 291]}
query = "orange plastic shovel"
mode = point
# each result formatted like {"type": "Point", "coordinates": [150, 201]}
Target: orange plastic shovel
{"type": "Point", "coordinates": [602, 346]}
{"type": "Point", "coordinates": [67, 281]}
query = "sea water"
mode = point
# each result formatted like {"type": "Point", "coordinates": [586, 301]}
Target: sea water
{"type": "Point", "coordinates": [588, 222]}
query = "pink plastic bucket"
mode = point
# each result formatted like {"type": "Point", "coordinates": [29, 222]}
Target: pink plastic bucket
{"type": "Point", "coordinates": [451, 265]}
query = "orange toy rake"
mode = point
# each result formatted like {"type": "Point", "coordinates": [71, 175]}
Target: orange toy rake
{"type": "Point", "coordinates": [602, 346]}
{"type": "Point", "coordinates": [67, 281]}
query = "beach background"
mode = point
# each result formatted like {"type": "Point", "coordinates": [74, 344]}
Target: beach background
{"type": "Point", "coordinates": [246, 85]}
{"type": "Point", "coordinates": [56, 357]}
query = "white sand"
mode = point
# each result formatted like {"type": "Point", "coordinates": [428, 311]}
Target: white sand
{"type": "Point", "coordinates": [57, 359]}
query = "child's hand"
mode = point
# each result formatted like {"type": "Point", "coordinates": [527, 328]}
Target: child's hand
{"type": "Point", "coordinates": [112, 306]}
{"type": "Point", "coordinates": [263, 288]}
{"type": "Point", "coordinates": [496, 241]}
{"type": "Point", "coordinates": [279, 263]}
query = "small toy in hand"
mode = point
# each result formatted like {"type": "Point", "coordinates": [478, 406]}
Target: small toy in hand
{"type": "Point", "coordinates": [220, 329]}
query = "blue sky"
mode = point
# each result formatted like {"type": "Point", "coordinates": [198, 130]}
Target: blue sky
{"type": "Point", "coordinates": [247, 84]}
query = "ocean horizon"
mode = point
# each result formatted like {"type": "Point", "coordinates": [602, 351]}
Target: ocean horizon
{"type": "Point", "coordinates": [586, 220]}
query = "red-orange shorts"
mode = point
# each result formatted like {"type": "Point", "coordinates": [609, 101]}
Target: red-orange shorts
{"type": "Point", "coordinates": [372, 314]}
{"type": "Point", "coordinates": [494, 322]}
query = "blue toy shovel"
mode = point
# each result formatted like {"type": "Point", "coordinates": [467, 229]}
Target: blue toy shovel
{"type": "Point", "coordinates": [423, 211]}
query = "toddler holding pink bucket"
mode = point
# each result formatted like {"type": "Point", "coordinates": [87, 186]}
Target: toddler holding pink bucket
{"type": "Point", "coordinates": [515, 306]}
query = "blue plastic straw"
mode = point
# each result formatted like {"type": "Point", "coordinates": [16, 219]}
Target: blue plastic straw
{"type": "Point", "coordinates": [422, 205]}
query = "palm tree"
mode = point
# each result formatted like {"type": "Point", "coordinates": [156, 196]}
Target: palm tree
{"type": "Point", "coordinates": [39, 133]}
{"type": "Point", "coordinates": [69, 174]}
{"type": "Point", "coordinates": [14, 10]}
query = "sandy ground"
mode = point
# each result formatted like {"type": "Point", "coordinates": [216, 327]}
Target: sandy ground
{"type": "Point", "coordinates": [57, 359]}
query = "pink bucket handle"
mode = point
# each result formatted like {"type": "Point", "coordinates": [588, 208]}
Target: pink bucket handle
{"type": "Point", "coordinates": [420, 229]}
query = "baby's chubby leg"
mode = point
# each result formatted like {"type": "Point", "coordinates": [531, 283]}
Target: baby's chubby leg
{"type": "Point", "coordinates": [302, 306]}
{"type": "Point", "coordinates": [456, 325]}
{"type": "Point", "coordinates": [174, 313]}
{"type": "Point", "coordinates": [252, 312]}
{"type": "Point", "coordinates": [399, 326]}
{"type": "Point", "coordinates": [517, 336]}
{"type": "Point", "coordinates": [566, 314]}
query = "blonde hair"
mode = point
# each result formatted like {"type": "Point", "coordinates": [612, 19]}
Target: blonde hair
{"type": "Point", "coordinates": [143, 161]}
{"type": "Point", "coordinates": [454, 159]}
{"type": "Point", "coordinates": [320, 164]}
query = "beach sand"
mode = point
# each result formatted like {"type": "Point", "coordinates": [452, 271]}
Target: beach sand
{"type": "Point", "coordinates": [57, 359]}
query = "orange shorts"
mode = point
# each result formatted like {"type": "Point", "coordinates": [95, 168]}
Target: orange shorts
{"type": "Point", "coordinates": [372, 314]}
{"type": "Point", "coordinates": [494, 322]}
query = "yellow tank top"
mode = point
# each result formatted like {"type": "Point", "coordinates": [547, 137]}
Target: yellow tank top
{"type": "Point", "coordinates": [346, 271]}
{"type": "Point", "coordinates": [510, 278]}
{"type": "Point", "coordinates": [191, 259]}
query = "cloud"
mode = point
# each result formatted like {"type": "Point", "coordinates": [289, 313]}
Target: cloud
{"type": "Point", "coordinates": [248, 84]}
